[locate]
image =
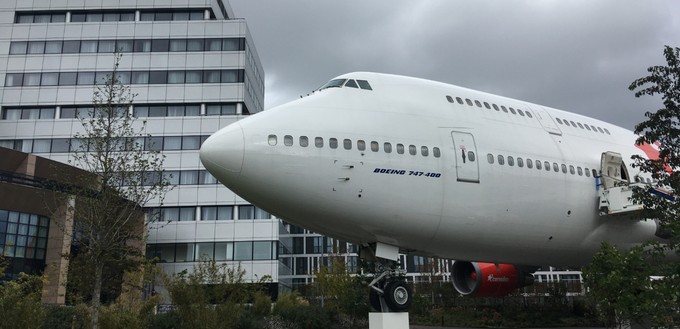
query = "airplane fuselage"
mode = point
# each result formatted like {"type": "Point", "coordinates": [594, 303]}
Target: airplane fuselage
{"type": "Point", "coordinates": [432, 168]}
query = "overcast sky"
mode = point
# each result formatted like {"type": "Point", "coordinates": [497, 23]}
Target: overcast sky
{"type": "Point", "coordinates": [576, 55]}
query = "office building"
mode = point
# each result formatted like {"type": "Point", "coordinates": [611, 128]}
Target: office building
{"type": "Point", "coordinates": [194, 69]}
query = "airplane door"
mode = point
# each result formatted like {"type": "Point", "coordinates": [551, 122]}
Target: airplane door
{"type": "Point", "coordinates": [467, 169]}
{"type": "Point", "coordinates": [546, 120]}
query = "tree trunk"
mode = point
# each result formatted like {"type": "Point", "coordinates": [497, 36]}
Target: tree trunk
{"type": "Point", "coordinates": [96, 293]}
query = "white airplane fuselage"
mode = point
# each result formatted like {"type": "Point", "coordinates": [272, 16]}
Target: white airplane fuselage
{"type": "Point", "coordinates": [450, 206]}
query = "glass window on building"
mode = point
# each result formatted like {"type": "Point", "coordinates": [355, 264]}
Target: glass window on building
{"type": "Point", "coordinates": [243, 250]}
{"type": "Point", "coordinates": [184, 252]}
{"type": "Point", "coordinates": [262, 250]}
{"type": "Point", "coordinates": [224, 251]}
{"type": "Point", "coordinates": [205, 251]}
{"type": "Point", "coordinates": [246, 212]}
{"type": "Point", "coordinates": [261, 214]}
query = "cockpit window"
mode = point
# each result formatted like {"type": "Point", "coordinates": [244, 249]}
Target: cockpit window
{"type": "Point", "coordinates": [364, 84]}
{"type": "Point", "coordinates": [351, 84]}
{"type": "Point", "coordinates": [336, 83]}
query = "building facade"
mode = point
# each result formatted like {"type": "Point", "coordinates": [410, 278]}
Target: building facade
{"type": "Point", "coordinates": [193, 68]}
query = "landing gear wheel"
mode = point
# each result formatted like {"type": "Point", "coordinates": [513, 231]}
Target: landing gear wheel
{"type": "Point", "coordinates": [398, 296]}
{"type": "Point", "coordinates": [374, 300]}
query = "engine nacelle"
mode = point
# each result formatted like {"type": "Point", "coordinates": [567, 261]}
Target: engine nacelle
{"type": "Point", "coordinates": [487, 279]}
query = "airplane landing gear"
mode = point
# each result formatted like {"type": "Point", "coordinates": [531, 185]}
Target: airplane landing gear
{"type": "Point", "coordinates": [388, 291]}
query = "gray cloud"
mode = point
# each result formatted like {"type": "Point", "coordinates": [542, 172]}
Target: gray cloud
{"type": "Point", "coordinates": [577, 55]}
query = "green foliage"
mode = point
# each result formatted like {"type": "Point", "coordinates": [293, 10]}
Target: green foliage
{"type": "Point", "coordinates": [214, 296]}
{"type": "Point", "coordinates": [341, 292]}
{"type": "Point", "coordinates": [620, 283]}
{"type": "Point", "coordinates": [298, 313]}
{"type": "Point", "coordinates": [20, 303]}
{"type": "Point", "coordinates": [262, 304]}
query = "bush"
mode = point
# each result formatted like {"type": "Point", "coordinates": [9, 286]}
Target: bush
{"type": "Point", "coordinates": [297, 313]}
{"type": "Point", "coordinates": [58, 317]}
{"type": "Point", "coordinates": [20, 303]}
{"type": "Point", "coordinates": [164, 321]}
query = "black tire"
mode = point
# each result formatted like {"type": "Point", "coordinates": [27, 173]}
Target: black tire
{"type": "Point", "coordinates": [374, 299]}
{"type": "Point", "coordinates": [398, 296]}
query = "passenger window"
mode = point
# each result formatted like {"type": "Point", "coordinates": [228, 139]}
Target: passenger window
{"type": "Point", "coordinates": [512, 111]}
{"type": "Point", "coordinates": [412, 149]}
{"type": "Point", "coordinates": [607, 131]}
{"type": "Point", "coordinates": [471, 156]}
{"type": "Point", "coordinates": [468, 101]}
{"type": "Point", "coordinates": [566, 123]}
{"type": "Point", "coordinates": [594, 129]}
{"type": "Point", "coordinates": [304, 141]}
{"type": "Point", "coordinates": [538, 165]}
{"type": "Point", "coordinates": [580, 125]}
{"type": "Point", "coordinates": [387, 147]}
{"type": "Point", "coordinates": [361, 145]}
{"type": "Point", "coordinates": [425, 152]}
{"type": "Point", "coordinates": [459, 100]}
{"type": "Point", "coordinates": [333, 143]}
{"type": "Point", "coordinates": [579, 169]}
{"type": "Point", "coordinates": [487, 105]}
{"type": "Point", "coordinates": [587, 172]}
{"type": "Point", "coordinates": [547, 165]}
{"type": "Point", "coordinates": [520, 112]}
{"type": "Point", "coordinates": [504, 109]}
{"type": "Point", "coordinates": [449, 98]}
{"type": "Point", "coordinates": [272, 140]}
{"type": "Point", "coordinates": [573, 124]}
{"type": "Point", "coordinates": [318, 142]}
{"type": "Point", "coordinates": [478, 103]}
{"type": "Point", "coordinates": [556, 167]}
{"type": "Point", "coordinates": [347, 144]}
{"type": "Point", "coordinates": [495, 107]}
{"type": "Point", "coordinates": [489, 158]}
{"type": "Point", "coordinates": [600, 129]}
{"type": "Point", "coordinates": [529, 114]}
{"type": "Point", "coordinates": [511, 161]}
{"type": "Point", "coordinates": [351, 84]}
{"type": "Point", "coordinates": [436, 152]}
{"type": "Point", "coordinates": [374, 146]}
{"type": "Point", "coordinates": [400, 148]}
{"type": "Point", "coordinates": [288, 140]}
{"type": "Point", "coordinates": [572, 170]}
{"type": "Point", "coordinates": [364, 84]}
{"type": "Point", "coordinates": [530, 164]}
{"type": "Point", "coordinates": [520, 162]}
{"type": "Point", "coordinates": [587, 127]}
{"type": "Point", "coordinates": [564, 168]}
{"type": "Point", "coordinates": [559, 120]}
{"type": "Point", "coordinates": [594, 173]}
{"type": "Point", "coordinates": [501, 160]}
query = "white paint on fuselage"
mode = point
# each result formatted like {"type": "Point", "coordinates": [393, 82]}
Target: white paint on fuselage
{"type": "Point", "coordinates": [513, 215]}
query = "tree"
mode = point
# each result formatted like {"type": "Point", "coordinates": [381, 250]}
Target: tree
{"type": "Point", "coordinates": [661, 128]}
{"type": "Point", "coordinates": [620, 280]}
{"type": "Point", "coordinates": [109, 230]}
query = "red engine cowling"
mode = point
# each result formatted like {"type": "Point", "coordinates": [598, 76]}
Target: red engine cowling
{"type": "Point", "coordinates": [487, 279]}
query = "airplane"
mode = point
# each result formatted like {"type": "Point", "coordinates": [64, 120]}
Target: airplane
{"type": "Point", "coordinates": [401, 164]}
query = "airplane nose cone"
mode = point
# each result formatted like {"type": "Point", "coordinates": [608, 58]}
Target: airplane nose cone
{"type": "Point", "coordinates": [223, 151]}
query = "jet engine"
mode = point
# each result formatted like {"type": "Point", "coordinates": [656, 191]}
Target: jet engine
{"type": "Point", "coordinates": [487, 279]}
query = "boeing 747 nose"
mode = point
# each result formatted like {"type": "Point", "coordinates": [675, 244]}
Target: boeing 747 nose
{"type": "Point", "coordinates": [223, 151]}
